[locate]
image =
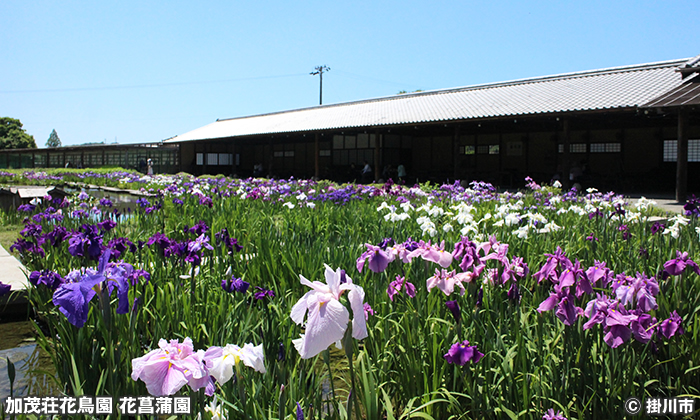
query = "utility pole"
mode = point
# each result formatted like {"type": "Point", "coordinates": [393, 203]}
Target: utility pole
{"type": "Point", "coordinates": [319, 71]}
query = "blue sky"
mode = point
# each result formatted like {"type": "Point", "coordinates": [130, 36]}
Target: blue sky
{"type": "Point", "coordinates": [144, 71]}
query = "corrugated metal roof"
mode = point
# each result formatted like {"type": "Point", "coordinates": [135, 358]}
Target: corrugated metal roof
{"type": "Point", "coordinates": [619, 87]}
{"type": "Point", "coordinates": [684, 95]}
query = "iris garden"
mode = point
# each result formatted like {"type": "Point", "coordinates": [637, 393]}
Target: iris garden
{"type": "Point", "coordinates": [303, 299]}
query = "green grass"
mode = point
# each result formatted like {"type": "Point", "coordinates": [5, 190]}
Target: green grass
{"type": "Point", "coordinates": [8, 235]}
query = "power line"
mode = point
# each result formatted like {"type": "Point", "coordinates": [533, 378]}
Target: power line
{"type": "Point", "coordinates": [358, 76]}
{"type": "Point", "coordinates": [83, 89]}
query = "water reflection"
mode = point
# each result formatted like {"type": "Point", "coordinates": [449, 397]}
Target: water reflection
{"type": "Point", "coordinates": [34, 371]}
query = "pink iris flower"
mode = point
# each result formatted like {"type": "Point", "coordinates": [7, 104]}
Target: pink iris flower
{"type": "Point", "coordinates": [446, 281]}
{"type": "Point", "coordinates": [432, 253]}
{"type": "Point", "coordinates": [169, 368]}
{"type": "Point", "coordinates": [328, 318]}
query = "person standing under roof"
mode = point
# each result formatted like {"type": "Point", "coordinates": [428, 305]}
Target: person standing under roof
{"type": "Point", "coordinates": [366, 173]}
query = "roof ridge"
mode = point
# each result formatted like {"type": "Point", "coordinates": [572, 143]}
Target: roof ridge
{"type": "Point", "coordinates": [538, 79]}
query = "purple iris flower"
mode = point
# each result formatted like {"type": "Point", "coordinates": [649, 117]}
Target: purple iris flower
{"type": "Point", "coordinates": [142, 202]}
{"type": "Point", "coordinates": [234, 285]}
{"type": "Point", "coordinates": [106, 202]}
{"type": "Point", "coordinates": [368, 310]}
{"type": "Point", "coordinates": [377, 258]}
{"type": "Point", "coordinates": [548, 270]}
{"type": "Point", "coordinates": [398, 284]}
{"type": "Point", "coordinates": [26, 247]}
{"type": "Point", "coordinates": [453, 306]}
{"type": "Point", "coordinates": [551, 415]}
{"type": "Point", "coordinates": [617, 326]}
{"type": "Point", "coordinates": [516, 268]}
{"type": "Point", "coordinates": [199, 228]}
{"type": "Point", "coordinates": [4, 289]}
{"type": "Point", "coordinates": [31, 229]}
{"type": "Point", "coordinates": [118, 275]}
{"type": "Point", "coordinates": [57, 235]}
{"type": "Point", "coordinates": [514, 292]}
{"type": "Point", "coordinates": [119, 246]}
{"type": "Point", "coordinates": [178, 201]}
{"type": "Point", "coordinates": [386, 242]}
{"type": "Point", "coordinates": [206, 201]}
{"type": "Point", "coordinates": [73, 298]}
{"type": "Point", "coordinates": [657, 227]}
{"type": "Point", "coordinates": [134, 277]}
{"type": "Point", "coordinates": [300, 412]}
{"type": "Point", "coordinates": [466, 251]}
{"type": "Point", "coordinates": [263, 293]}
{"type": "Point", "coordinates": [599, 272]}
{"type": "Point", "coordinates": [231, 243]}
{"type": "Point", "coordinates": [562, 299]}
{"type": "Point", "coordinates": [106, 225]}
{"type": "Point", "coordinates": [671, 326]}
{"type": "Point", "coordinates": [676, 266]}
{"type": "Point", "coordinates": [48, 278]}
{"type": "Point", "coordinates": [26, 208]}
{"type": "Point", "coordinates": [461, 353]}
{"type": "Point", "coordinates": [643, 327]}
{"type": "Point", "coordinates": [159, 239]}
{"type": "Point", "coordinates": [89, 240]}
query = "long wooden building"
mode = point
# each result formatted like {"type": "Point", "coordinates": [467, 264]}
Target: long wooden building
{"type": "Point", "coordinates": [612, 128]}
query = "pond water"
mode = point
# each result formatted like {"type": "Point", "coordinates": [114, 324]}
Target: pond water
{"type": "Point", "coordinates": [123, 201]}
{"type": "Point", "coordinates": [33, 367]}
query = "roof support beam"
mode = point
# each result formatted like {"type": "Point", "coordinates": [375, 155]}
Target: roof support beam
{"type": "Point", "coordinates": [565, 163]}
{"type": "Point", "coordinates": [455, 152]}
{"type": "Point", "coordinates": [682, 158]}
{"type": "Point", "coordinates": [317, 166]}
{"type": "Point", "coordinates": [376, 155]}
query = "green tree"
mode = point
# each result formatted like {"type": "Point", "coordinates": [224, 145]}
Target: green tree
{"type": "Point", "coordinates": [53, 140]}
{"type": "Point", "coordinates": [13, 136]}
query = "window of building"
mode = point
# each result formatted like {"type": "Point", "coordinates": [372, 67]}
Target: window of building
{"type": "Point", "coordinates": [200, 158]}
{"type": "Point", "coordinates": [606, 147]}
{"type": "Point", "coordinates": [671, 150]}
{"type": "Point", "coordinates": [494, 149]}
{"type": "Point", "coordinates": [574, 148]}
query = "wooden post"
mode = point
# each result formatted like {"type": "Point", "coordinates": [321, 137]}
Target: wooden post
{"type": "Point", "coordinates": [317, 151]}
{"type": "Point", "coordinates": [376, 155]}
{"type": "Point", "coordinates": [455, 153]}
{"type": "Point", "coordinates": [682, 158]}
{"type": "Point", "coordinates": [565, 156]}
